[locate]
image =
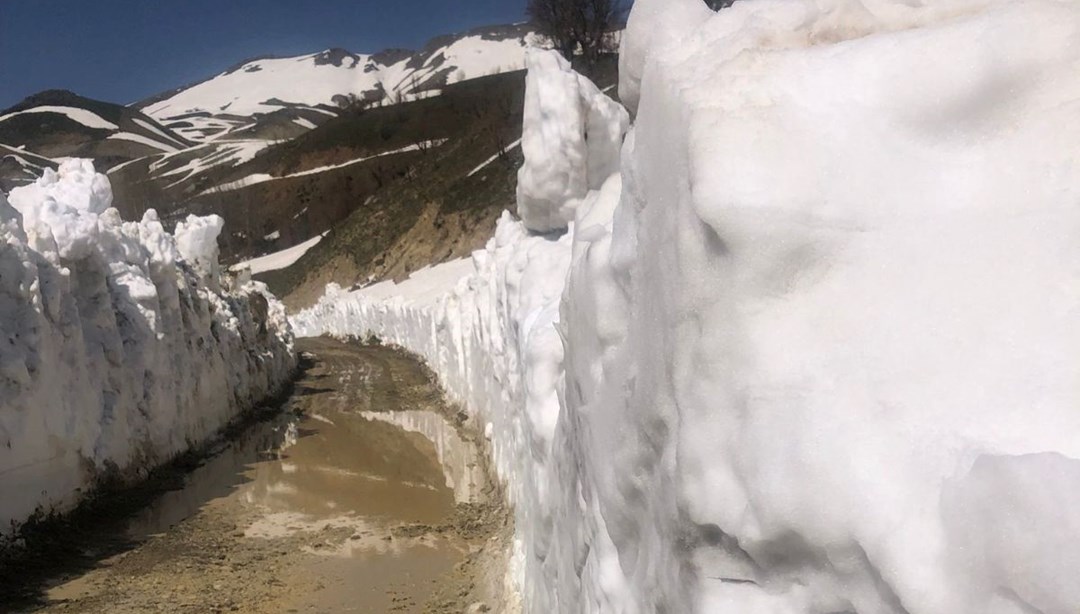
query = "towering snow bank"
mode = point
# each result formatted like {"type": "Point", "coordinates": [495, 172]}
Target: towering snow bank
{"type": "Point", "coordinates": [115, 355]}
{"type": "Point", "coordinates": [493, 338]}
{"type": "Point", "coordinates": [817, 347]}
{"type": "Point", "coordinates": [851, 231]}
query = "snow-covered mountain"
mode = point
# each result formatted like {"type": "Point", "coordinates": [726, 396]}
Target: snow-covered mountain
{"type": "Point", "coordinates": [310, 87]}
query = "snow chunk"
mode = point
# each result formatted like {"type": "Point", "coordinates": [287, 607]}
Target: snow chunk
{"type": "Point", "coordinates": [654, 24]}
{"type": "Point", "coordinates": [60, 210]}
{"type": "Point", "coordinates": [570, 137]}
{"type": "Point", "coordinates": [196, 239]}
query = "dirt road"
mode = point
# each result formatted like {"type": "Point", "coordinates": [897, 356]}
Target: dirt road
{"type": "Point", "coordinates": [364, 493]}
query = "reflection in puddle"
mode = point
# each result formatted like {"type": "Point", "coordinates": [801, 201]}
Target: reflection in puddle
{"type": "Point", "coordinates": [216, 478]}
{"type": "Point", "coordinates": [460, 461]}
{"type": "Point", "coordinates": [333, 467]}
{"type": "Point", "coordinates": [329, 466]}
{"type": "Point", "coordinates": [344, 464]}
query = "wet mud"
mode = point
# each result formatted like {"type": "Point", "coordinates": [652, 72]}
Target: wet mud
{"type": "Point", "coordinates": [363, 492]}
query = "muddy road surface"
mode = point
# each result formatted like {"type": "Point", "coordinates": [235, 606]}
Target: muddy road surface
{"type": "Point", "coordinates": [363, 492]}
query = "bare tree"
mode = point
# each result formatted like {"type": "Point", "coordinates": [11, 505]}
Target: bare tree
{"type": "Point", "coordinates": [574, 24]}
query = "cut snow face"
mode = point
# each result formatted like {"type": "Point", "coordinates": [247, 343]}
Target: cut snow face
{"type": "Point", "coordinates": [816, 348]}
{"type": "Point", "coordinates": [571, 136]}
{"type": "Point", "coordinates": [120, 349]}
{"type": "Point", "coordinates": [196, 240]}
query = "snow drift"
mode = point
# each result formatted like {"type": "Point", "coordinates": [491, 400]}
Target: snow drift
{"type": "Point", "coordinates": [118, 349]}
{"type": "Point", "coordinates": [816, 351]}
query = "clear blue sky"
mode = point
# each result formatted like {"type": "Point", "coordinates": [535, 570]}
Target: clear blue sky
{"type": "Point", "coordinates": [126, 50]}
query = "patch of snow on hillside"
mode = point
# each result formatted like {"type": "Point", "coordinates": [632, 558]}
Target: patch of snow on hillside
{"type": "Point", "coordinates": [493, 158]}
{"type": "Point", "coordinates": [422, 287]}
{"type": "Point", "coordinates": [233, 153]}
{"type": "Point", "coordinates": [82, 116]}
{"type": "Point", "coordinates": [138, 138]}
{"type": "Point", "coordinates": [113, 169]}
{"type": "Point", "coordinates": [243, 182]}
{"type": "Point", "coordinates": [255, 178]}
{"type": "Point", "coordinates": [280, 259]}
{"type": "Point", "coordinates": [425, 145]}
{"type": "Point", "coordinates": [473, 56]}
{"type": "Point", "coordinates": [23, 162]}
{"type": "Point", "coordinates": [152, 128]}
{"type": "Point", "coordinates": [304, 123]}
{"type": "Point", "coordinates": [201, 129]}
{"type": "Point", "coordinates": [249, 89]}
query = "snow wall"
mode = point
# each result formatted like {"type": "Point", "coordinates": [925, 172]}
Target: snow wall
{"type": "Point", "coordinates": [118, 349]}
{"type": "Point", "coordinates": [813, 348]}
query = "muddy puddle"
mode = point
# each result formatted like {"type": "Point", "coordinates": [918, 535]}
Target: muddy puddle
{"type": "Point", "coordinates": [346, 501]}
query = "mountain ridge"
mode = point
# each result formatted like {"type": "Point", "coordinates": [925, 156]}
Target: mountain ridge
{"type": "Point", "coordinates": [331, 78]}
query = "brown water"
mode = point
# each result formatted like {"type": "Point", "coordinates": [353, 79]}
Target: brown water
{"type": "Point", "coordinates": [344, 502]}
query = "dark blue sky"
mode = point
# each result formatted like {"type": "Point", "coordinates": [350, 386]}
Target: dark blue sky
{"type": "Point", "coordinates": [126, 50]}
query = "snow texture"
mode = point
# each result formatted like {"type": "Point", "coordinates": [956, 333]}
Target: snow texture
{"type": "Point", "coordinates": [813, 349]}
{"type": "Point", "coordinates": [570, 138]}
{"type": "Point", "coordinates": [196, 240]}
{"type": "Point", "coordinates": [116, 355]}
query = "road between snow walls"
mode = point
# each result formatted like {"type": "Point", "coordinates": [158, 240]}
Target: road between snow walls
{"type": "Point", "coordinates": [808, 344]}
{"type": "Point", "coordinates": [119, 348]}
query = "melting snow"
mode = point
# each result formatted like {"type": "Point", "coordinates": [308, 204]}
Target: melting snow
{"type": "Point", "coordinates": [82, 116]}
{"type": "Point", "coordinates": [138, 138]}
{"type": "Point", "coordinates": [278, 260]}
